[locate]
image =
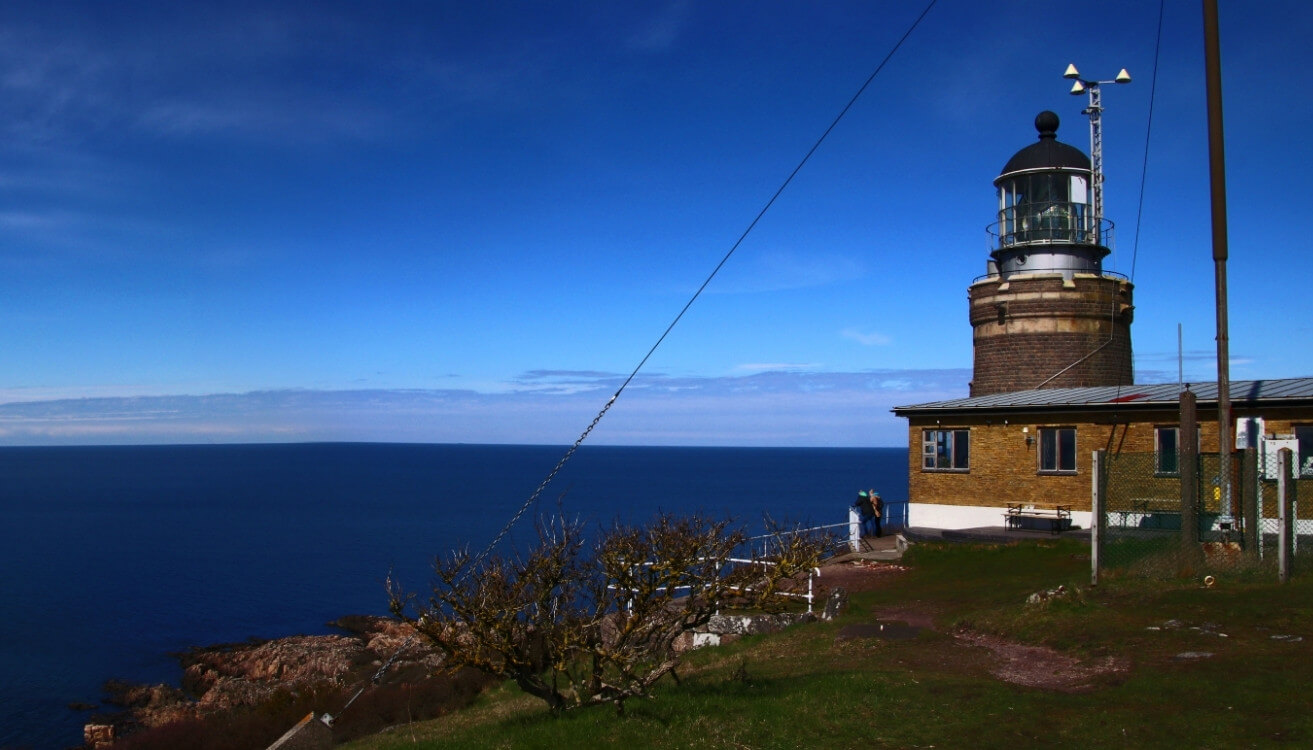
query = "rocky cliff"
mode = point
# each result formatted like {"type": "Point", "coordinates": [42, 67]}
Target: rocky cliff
{"type": "Point", "coordinates": [247, 675]}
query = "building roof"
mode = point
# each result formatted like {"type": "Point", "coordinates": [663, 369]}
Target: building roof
{"type": "Point", "coordinates": [1049, 152]}
{"type": "Point", "coordinates": [1281, 392]}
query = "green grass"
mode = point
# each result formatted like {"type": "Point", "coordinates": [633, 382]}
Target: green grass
{"type": "Point", "coordinates": [804, 688]}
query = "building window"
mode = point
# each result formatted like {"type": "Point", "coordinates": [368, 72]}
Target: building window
{"type": "Point", "coordinates": [945, 450]}
{"type": "Point", "coordinates": [1305, 437]}
{"type": "Point", "coordinates": [1167, 450]}
{"type": "Point", "coordinates": [1057, 450]}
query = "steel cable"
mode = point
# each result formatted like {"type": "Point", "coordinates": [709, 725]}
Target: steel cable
{"type": "Point", "coordinates": [542, 486]}
{"type": "Point", "coordinates": [569, 453]}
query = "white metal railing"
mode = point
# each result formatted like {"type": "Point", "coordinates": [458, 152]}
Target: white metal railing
{"type": "Point", "coordinates": [765, 539]}
{"type": "Point", "coordinates": [1048, 222]}
{"type": "Point", "coordinates": [812, 575]}
{"type": "Point", "coordinates": [809, 597]}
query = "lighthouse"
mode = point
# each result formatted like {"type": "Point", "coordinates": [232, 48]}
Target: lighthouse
{"type": "Point", "coordinates": [1046, 314]}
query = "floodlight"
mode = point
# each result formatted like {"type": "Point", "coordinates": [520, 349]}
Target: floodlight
{"type": "Point", "coordinates": [1077, 88]}
{"type": "Point", "coordinates": [1123, 77]}
{"type": "Point", "coordinates": [1071, 71]}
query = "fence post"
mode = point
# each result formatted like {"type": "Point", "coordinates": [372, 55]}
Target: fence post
{"type": "Point", "coordinates": [854, 530]}
{"type": "Point", "coordinates": [811, 576]}
{"type": "Point", "coordinates": [1249, 502]}
{"type": "Point", "coordinates": [1189, 465]}
{"type": "Point", "coordinates": [1285, 514]}
{"type": "Point", "coordinates": [1098, 514]}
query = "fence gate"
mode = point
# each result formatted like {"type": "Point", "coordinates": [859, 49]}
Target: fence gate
{"type": "Point", "coordinates": [1148, 529]}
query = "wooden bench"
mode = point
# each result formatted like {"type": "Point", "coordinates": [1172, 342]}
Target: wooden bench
{"type": "Point", "coordinates": [1158, 512]}
{"type": "Point", "coordinates": [1057, 518]}
{"type": "Point", "coordinates": [1165, 514]}
{"type": "Point", "coordinates": [1147, 505]}
{"type": "Point", "coordinates": [1143, 511]}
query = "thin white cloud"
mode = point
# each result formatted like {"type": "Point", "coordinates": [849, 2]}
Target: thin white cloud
{"type": "Point", "coordinates": [660, 32]}
{"type": "Point", "coordinates": [566, 382]}
{"type": "Point", "coordinates": [769, 408]}
{"type": "Point", "coordinates": [230, 74]}
{"type": "Point", "coordinates": [867, 338]}
{"type": "Point", "coordinates": [26, 220]}
{"type": "Point", "coordinates": [12, 396]}
{"type": "Point", "coordinates": [776, 366]}
{"type": "Point", "coordinates": [1193, 366]}
{"type": "Point", "coordinates": [274, 117]}
{"type": "Point", "coordinates": [783, 269]}
{"type": "Point", "coordinates": [1189, 356]}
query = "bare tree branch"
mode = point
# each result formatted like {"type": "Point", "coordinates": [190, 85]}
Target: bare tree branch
{"type": "Point", "coordinates": [578, 631]}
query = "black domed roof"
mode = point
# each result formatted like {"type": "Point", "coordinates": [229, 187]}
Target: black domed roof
{"type": "Point", "coordinates": [1049, 153]}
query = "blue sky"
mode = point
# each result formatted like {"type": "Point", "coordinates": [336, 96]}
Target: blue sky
{"type": "Point", "coordinates": [468, 222]}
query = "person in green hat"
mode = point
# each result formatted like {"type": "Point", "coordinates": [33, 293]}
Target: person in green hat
{"type": "Point", "coordinates": [866, 509]}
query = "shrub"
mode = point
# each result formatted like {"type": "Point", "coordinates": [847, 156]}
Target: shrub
{"type": "Point", "coordinates": [578, 630]}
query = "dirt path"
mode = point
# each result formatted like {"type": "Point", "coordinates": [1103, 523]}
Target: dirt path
{"type": "Point", "coordinates": [1017, 663]}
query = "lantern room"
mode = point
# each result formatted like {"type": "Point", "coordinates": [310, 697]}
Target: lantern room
{"type": "Point", "coordinates": [1046, 222]}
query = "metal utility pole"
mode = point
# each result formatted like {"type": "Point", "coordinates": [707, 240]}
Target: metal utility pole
{"type": "Point", "coordinates": [1217, 182]}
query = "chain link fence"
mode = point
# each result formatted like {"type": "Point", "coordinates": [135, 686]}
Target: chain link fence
{"type": "Point", "coordinates": [1153, 527]}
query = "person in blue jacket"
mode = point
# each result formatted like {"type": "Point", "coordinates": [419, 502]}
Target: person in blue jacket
{"type": "Point", "coordinates": [866, 509]}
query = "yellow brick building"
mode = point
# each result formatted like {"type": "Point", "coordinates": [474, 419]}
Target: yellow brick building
{"type": "Point", "coordinates": [968, 458]}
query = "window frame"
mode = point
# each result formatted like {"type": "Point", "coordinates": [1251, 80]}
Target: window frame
{"type": "Point", "coordinates": [1158, 452]}
{"type": "Point", "coordinates": [1057, 448]}
{"type": "Point", "coordinates": [1157, 449]}
{"type": "Point", "coordinates": [1304, 455]}
{"type": "Point", "coordinates": [930, 452]}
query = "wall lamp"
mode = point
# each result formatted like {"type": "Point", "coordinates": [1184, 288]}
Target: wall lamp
{"type": "Point", "coordinates": [1030, 439]}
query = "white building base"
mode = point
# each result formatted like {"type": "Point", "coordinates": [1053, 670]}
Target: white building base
{"type": "Point", "coordinates": [932, 516]}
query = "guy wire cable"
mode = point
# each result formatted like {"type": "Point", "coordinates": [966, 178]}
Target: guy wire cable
{"type": "Point", "coordinates": [1148, 131]}
{"type": "Point", "coordinates": [583, 436]}
{"type": "Point", "coordinates": [1144, 166]}
{"type": "Point", "coordinates": [473, 564]}
{"type": "Point", "coordinates": [1139, 211]}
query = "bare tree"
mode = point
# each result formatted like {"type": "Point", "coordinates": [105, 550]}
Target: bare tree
{"type": "Point", "coordinates": [575, 630]}
{"type": "Point", "coordinates": [512, 617]}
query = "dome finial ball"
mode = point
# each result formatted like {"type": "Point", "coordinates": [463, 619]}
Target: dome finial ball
{"type": "Point", "coordinates": [1046, 123]}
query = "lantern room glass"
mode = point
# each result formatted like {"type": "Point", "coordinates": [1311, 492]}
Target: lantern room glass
{"type": "Point", "coordinates": [1045, 207]}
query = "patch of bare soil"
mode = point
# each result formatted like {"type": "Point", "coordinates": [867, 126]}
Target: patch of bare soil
{"type": "Point", "coordinates": [858, 575]}
{"type": "Point", "coordinates": [914, 614]}
{"type": "Point", "coordinates": [1039, 666]}
{"type": "Point", "coordinates": [1018, 663]}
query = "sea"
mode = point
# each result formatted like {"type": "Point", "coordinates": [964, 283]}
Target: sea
{"type": "Point", "coordinates": [112, 559]}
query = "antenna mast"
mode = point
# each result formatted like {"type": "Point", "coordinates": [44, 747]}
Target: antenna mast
{"type": "Point", "coordinates": [1095, 112]}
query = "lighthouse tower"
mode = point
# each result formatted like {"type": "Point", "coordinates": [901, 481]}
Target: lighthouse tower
{"type": "Point", "coordinates": [1046, 315]}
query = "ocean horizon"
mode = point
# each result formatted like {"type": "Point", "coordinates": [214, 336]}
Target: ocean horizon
{"type": "Point", "coordinates": [113, 558]}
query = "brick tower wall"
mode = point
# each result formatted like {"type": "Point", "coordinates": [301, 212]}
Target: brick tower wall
{"type": "Point", "coordinates": [1027, 329]}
